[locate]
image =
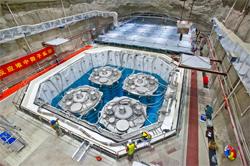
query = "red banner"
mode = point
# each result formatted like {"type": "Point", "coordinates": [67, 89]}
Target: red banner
{"type": "Point", "coordinates": [26, 61]}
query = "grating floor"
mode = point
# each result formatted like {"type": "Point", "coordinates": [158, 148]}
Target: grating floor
{"type": "Point", "coordinates": [145, 35]}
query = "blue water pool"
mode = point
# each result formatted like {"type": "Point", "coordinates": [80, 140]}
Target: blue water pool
{"type": "Point", "coordinates": [153, 103]}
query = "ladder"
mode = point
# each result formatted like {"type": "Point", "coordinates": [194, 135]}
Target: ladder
{"type": "Point", "coordinates": [156, 131]}
{"type": "Point", "coordinates": [81, 151]}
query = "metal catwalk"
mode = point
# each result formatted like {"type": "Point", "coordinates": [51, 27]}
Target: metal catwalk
{"type": "Point", "coordinates": [144, 34]}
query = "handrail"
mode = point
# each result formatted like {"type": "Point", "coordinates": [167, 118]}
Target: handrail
{"type": "Point", "coordinates": [162, 15]}
{"type": "Point", "coordinates": [120, 139]}
{"type": "Point", "coordinates": [147, 14]}
{"type": "Point", "coordinates": [129, 17]}
{"type": "Point", "coordinates": [17, 32]}
{"type": "Point", "coordinates": [102, 144]}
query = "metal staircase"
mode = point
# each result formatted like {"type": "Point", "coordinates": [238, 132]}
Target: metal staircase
{"type": "Point", "coordinates": [81, 151]}
{"type": "Point", "coordinates": [156, 131]}
{"type": "Point", "coordinates": [9, 138]}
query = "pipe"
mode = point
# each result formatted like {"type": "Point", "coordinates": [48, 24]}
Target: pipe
{"type": "Point", "coordinates": [244, 162]}
{"type": "Point", "coordinates": [233, 86]}
{"type": "Point", "coordinates": [238, 125]}
{"type": "Point", "coordinates": [191, 9]}
{"type": "Point", "coordinates": [25, 40]}
{"type": "Point", "coordinates": [238, 140]}
{"type": "Point", "coordinates": [237, 26]}
{"type": "Point", "coordinates": [235, 103]}
{"type": "Point", "coordinates": [244, 15]}
{"type": "Point", "coordinates": [229, 12]}
{"type": "Point", "coordinates": [245, 6]}
{"type": "Point", "coordinates": [245, 111]}
{"type": "Point", "coordinates": [231, 93]}
{"type": "Point", "coordinates": [64, 13]}
{"type": "Point", "coordinates": [183, 7]}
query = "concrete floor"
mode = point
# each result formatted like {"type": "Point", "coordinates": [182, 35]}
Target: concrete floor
{"type": "Point", "coordinates": [220, 129]}
{"type": "Point", "coordinates": [45, 148]}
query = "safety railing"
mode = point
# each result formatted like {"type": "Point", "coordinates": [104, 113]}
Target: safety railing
{"type": "Point", "coordinates": [18, 96]}
{"type": "Point", "coordinates": [97, 144]}
{"type": "Point", "coordinates": [117, 138]}
{"type": "Point", "coordinates": [165, 17]}
{"type": "Point", "coordinates": [148, 15]}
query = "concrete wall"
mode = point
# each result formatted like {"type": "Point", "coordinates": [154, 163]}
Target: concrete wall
{"type": "Point", "coordinates": [203, 10]}
{"type": "Point", "coordinates": [239, 23]}
{"type": "Point", "coordinates": [15, 49]}
{"type": "Point", "coordinates": [34, 11]}
{"type": "Point", "coordinates": [239, 102]}
{"type": "Point", "coordinates": [31, 12]}
{"type": "Point", "coordinates": [18, 48]}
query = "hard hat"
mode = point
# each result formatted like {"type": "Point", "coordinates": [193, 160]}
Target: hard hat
{"type": "Point", "coordinates": [52, 122]}
{"type": "Point", "coordinates": [144, 134]}
{"type": "Point", "coordinates": [129, 141]}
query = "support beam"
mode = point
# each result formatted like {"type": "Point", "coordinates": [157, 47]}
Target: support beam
{"type": "Point", "coordinates": [229, 12]}
{"type": "Point", "coordinates": [228, 97]}
{"type": "Point", "coordinates": [199, 69]}
{"type": "Point", "coordinates": [216, 60]}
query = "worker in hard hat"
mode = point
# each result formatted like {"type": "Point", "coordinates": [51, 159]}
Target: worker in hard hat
{"type": "Point", "coordinates": [209, 111]}
{"type": "Point", "coordinates": [146, 137]}
{"type": "Point", "coordinates": [130, 150]}
{"type": "Point", "coordinates": [55, 125]}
